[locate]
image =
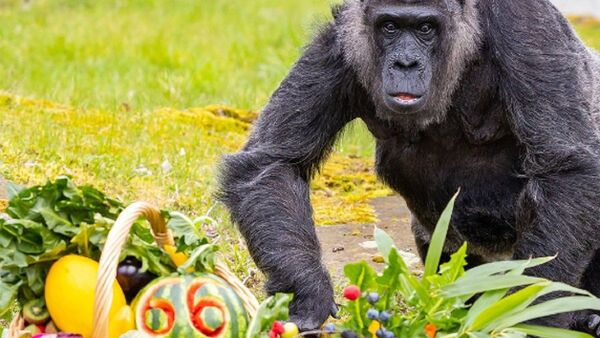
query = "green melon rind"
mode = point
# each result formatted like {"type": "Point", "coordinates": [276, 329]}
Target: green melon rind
{"type": "Point", "coordinates": [175, 289]}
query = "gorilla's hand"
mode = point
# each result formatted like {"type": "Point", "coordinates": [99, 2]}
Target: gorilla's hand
{"type": "Point", "coordinates": [313, 299]}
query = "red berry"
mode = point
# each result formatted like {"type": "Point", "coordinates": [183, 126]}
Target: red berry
{"type": "Point", "coordinates": [352, 292]}
{"type": "Point", "coordinates": [278, 328]}
{"type": "Point", "coordinates": [273, 334]}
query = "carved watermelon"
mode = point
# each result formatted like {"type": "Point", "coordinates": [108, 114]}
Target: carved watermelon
{"type": "Point", "coordinates": [195, 306]}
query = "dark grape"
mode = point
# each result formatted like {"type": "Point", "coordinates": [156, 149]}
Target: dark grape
{"type": "Point", "coordinates": [384, 316]}
{"type": "Point", "coordinates": [373, 298]}
{"type": "Point", "coordinates": [349, 334]}
{"type": "Point", "coordinates": [372, 314]}
{"type": "Point", "coordinates": [389, 334]}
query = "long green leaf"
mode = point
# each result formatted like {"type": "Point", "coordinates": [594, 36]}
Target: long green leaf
{"type": "Point", "coordinates": [551, 307]}
{"type": "Point", "coordinates": [482, 303]}
{"type": "Point", "coordinates": [549, 332]}
{"type": "Point", "coordinates": [470, 286]}
{"type": "Point", "coordinates": [385, 243]}
{"type": "Point", "coordinates": [556, 286]}
{"type": "Point", "coordinates": [434, 254]}
{"type": "Point", "coordinates": [503, 266]}
{"type": "Point", "coordinates": [488, 298]}
{"type": "Point", "coordinates": [507, 306]}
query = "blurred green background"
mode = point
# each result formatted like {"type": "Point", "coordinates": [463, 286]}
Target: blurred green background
{"type": "Point", "coordinates": [119, 77]}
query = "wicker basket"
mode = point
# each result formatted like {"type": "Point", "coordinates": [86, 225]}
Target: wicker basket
{"type": "Point", "coordinates": [110, 259]}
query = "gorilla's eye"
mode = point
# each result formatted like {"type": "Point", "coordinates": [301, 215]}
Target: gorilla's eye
{"type": "Point", "coordinates": [426, 28]}
{"type": "Point", "coordinates": [389, 28]}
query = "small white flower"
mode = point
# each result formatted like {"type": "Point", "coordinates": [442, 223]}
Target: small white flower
{"type": "Point", "coordinates": [166, 166]}
{"type": "Point", "coordinates": [142, 171]}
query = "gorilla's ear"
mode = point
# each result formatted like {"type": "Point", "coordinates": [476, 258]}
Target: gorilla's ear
{"type": "Point", "coordinates": [541, 65]}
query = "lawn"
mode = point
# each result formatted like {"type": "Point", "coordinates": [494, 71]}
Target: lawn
{"type": "Point", "coordinates": [111, 86]}
{"type": "Point", "coordinates": [105, 90]}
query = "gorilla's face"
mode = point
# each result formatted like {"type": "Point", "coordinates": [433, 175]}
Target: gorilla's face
{"type": "Point", "coordinates": [408, 39]}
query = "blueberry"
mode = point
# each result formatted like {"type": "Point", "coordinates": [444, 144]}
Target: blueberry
{"type": "Point", "coordinates": [389, 334]}
{"type": "Point", "coordinates": [380, 333]}
{"type": "Point", "coordinates": [349, 334]}
{"type": "Point", "coordinates": [329, 328]}
{"type": "Point", "coordinates": [384, 316]}
{"type": "Point", "coordinates": [373, 298]}
{"type": "Point", "coordinates": [372, 314]}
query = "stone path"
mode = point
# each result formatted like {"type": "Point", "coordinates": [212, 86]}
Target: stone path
{"type": "Point", "coordinates": [345, 243]}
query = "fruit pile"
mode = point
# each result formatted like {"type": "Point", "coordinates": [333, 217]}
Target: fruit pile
{"type": "Point", "coordinates": [51, 238]}
{"type": "Point", "coordinates": [283, 330]}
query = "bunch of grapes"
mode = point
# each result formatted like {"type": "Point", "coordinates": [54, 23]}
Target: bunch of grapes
{"type": "Point", "coordinates": [380, 319]}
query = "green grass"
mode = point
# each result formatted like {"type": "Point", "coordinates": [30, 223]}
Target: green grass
{"type": "Point", "coordinates": [152, 53]}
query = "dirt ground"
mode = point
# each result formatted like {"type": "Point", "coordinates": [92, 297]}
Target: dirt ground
{"type": "Point", "coordinates": [342, 244]}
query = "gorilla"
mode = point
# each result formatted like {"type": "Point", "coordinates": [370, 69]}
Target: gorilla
{"type": "Point", "coordinates": [497, 97]}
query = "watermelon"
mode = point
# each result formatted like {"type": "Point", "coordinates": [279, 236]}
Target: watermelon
{"type": "Point", "coordinates": [197, 306]}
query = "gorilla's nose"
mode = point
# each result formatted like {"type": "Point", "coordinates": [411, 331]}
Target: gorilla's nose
{"type": "Point", "coordinates": [405, 64]}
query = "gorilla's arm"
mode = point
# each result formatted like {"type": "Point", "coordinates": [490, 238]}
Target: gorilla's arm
{"type": "Point", "coordinates": [266, 185]}
{"type": "Point", "coordinates": [542, 67]}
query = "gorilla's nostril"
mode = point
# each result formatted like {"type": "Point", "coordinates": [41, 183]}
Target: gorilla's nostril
{"type": "Point", "coordinates": [406, 64]}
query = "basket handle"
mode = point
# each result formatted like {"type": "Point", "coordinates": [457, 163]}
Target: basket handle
{"type": "Point", "coordinates": [109, 262]}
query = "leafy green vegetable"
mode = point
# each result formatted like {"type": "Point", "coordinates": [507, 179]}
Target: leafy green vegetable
{"type": "Point", "coordinates": [440, 303]}
{"type": "Point", "coordinates": [50, 221]}
{"type": "Point", "coordinates": [272, 309]}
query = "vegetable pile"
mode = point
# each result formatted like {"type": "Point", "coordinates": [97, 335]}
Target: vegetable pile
{"type": "Point", "coordinates": [51, 238]}
{"type": "Point", "coordinates": [57, 219]}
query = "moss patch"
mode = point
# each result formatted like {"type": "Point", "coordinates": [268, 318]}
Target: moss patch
{"type": "Point", "coordinates": [340, 194]}
{"type": "Point", "coordinates": [165, 156]}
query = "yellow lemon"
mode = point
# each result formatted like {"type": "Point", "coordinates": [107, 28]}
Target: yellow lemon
{"type": "Point", "coordinates": [69, 292]}
{"type": "Point", "coordinates": [121, 322]}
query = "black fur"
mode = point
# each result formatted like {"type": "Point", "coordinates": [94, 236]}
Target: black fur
{"type": "Point", "coordinates": [518, 134]}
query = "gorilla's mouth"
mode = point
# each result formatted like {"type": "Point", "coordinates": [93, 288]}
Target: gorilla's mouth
{"type": "Point", "coordinates": [407, 99]}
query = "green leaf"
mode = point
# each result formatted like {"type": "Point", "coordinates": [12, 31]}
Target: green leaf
{"type": "Point", "coordinates": [470, 286]}
{"type": "Point", "coordinates": [389, 282]}
{"type": "Point", "coordinates": [272, 309]}
{"type": "Point", "coordinates": [452, 270]}
{"type": "Point", "coordinates": [385, 243]}
{"type": "Point", "coordinates": [508, 305]}
{"type": "Point", "coordinates": [183, 227]}
{"type": "Point", "coordinates": [361, 274]}
{"type": "Point", "coordinates": [201, 259]}
{"type": "Point", "coordinates": [13, 189]}
{"type": "Point", "coordinates": [436, 247]}
{"type": "Point", "coordinates": [8, 294]}
{"type": "Point", "coordinates": [57, 223]}
{"type": "Point", "coordinates": [552, 307]}
{"type": "Point", "coordinates": [549, 332]}
{"type": "Point", "coordinates": [478, 335]}
{"type": "Point", "coordinates": [503, 266]}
